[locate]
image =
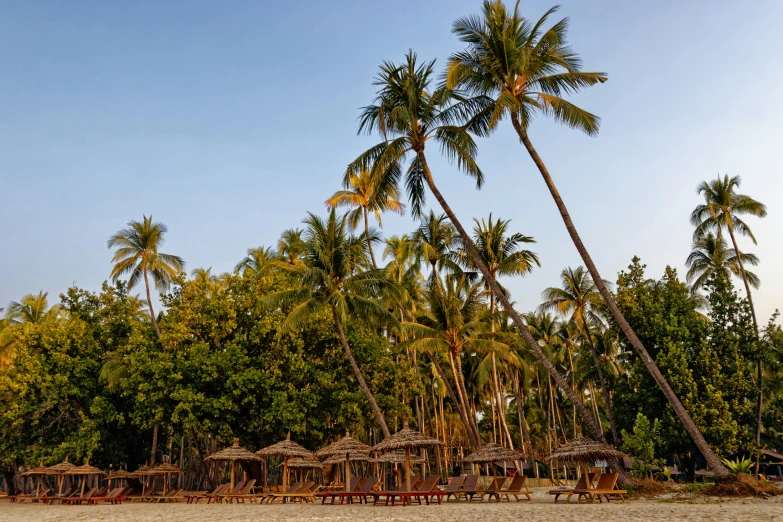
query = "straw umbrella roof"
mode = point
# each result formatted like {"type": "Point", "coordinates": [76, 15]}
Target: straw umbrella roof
{"type": "Point", "coordinates": [340, 459]}
{"type": "Point", "coordinates": [164, 468]}
{"type": "Point", "coordinates": [397, 457]}
{"type": "Point", "coordinates": [121, 474]}
{"type": "Point", "coordinates": [285, 448]}
{"type": "Point", "coordinates": [406, 438]}
{"type": "Point", "coordinates": [61, 467]}
{"type": "Point", "coordinates": [142, 470]}
{"type": "Point", "coordinates": [493, 452]}
{"type": "Point", "coordinates": [585, 449]}
{"type": "Point", "coordinates": [85, 469]}
{"type": "Point", "coordinates": [234, 453]}
{"type": "Point", "coordinates": [299, 462]}
{"type": "Point", "coordinates": [39, 470]}
{"type": "Point", "coordinates": [346, 445]}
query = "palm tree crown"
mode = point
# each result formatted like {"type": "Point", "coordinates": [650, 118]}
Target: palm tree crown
{"type": "Point", "coordinates": [711, 253]}
{"type": "Point", "coordinates": [723, 207]}
{"type": "Point", "coordinates": [577, 298]}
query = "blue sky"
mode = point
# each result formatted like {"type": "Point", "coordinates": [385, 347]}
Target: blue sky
{"type": "Point", "coordinates": [229, 120]}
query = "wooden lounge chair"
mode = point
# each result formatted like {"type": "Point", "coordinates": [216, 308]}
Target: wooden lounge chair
{"type": "Point", "coordinates": [428, 490]}
{"type": "Point", "coordinates": [146, 494]}
{"type": "Point", "coordinates": [606, 487]}
{"type": "Point", "coordinates": [78, 498]}
{"type": "Point", "coordinates": [362, 491]}
{"type": "Point", "coordinates": [470, 493]}
{"type": "Point", "coordinates": [305, 494]}
{"type": "Point", "coordinates": [42, 495]}
{"type": "Point", "coordinates": [113, 496]}
{"type": "Point", "coordinates": [332, 494]}
{"type": "Point", "coordinates": [406, 496]}
{"type": "Point", "coordinates": [516, 489]}
{"type": "Point", "coordinates": [296, 489]}
{"type": "Point", "coordinates": [196, 496]}
{"type": "Point", "coordinates": [469, 484]}
{"type": "Point", "coordinates": [245, 493]}
{"type": "Point", "coordinates": [453, 487]}
{"type": "Point", "coordinates": [172, 495]}
{"type": "Point", "coordinates": [569, 492]}
{"type": "Point", "coordinates": [273, 495]}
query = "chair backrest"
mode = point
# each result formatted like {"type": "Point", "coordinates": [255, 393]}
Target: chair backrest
{"type": "Point", "coordinates": [249, 487]}
{"type": "Point", "coordinates": [517, 483]}
{"type": "Point", "coordinates": [238, 488]}
{"type": "Point", "coordinates": [307, 487]}
{"type": "Point", "coordinates": [367, 484]}
{"type": "Point", "coordinates": [607, 481]}
{"type": "Point", "coordinates": [295, 488]}
{"type": "Point", "coordinates": [90, 493]}
{"type": "Point", "coordinates": [354, 483]}
{"type": "Point", "coordinates": [67, 492]}
{"type": "Point", "coordinates": [495, 484]}
{"type": "Point", "coordinates": [471, 481]}
{"type": "Point", "coordinates": [415, 482]}
{"type": "Point", "coordinates": [455, 483]}
{"type": "Point", "coordinates": [429, 484]}
{"type": "Point", "coordinates": [582, 482]}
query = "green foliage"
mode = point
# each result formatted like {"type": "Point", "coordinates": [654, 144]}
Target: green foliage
{"type": "Point", "coordinates": [641, 445]}
{"type": "Point", "coordinates": [739, 465]}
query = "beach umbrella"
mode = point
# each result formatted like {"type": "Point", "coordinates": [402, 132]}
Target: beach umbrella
{"type": "Point", "coordinates": [492, 452]}
{"type": "Point", "coordinates": [59, 469]}
{"type": "Point", "coordinates": [584, 449]}
{"type": "Point", "coordinates": [398, 457]}
{"type": "Point", "coordinates": [233, 454]}
{"type": "Point", "coordinates": [120, 475]}
{"type": "Point", "coordinates": [37, 472]}
{"type": "Point", "coordinates": [287, 449]}
{"type": "Point", "coordinates": [406, 439]}
{"type": "Point", "coordinates": [84, 471]}
{"type": "Point", "coordinates": [165, 469]}
{"type": "Point", "coordinates": [304, 464]}
{"type": "Point", "coordinates": [346, 447]}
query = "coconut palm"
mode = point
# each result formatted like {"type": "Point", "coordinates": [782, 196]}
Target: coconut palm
{"type": "Point", "coordinates": [526, 69]}
{"type": "Point", "coordinates": [203, 275]}
{"type": "Point", "coordinates": [258, 262]}
{"type": "Point", "coordinates": [721, 211]}
{"type": "Point", "coordinates": [137, 254]}
{"type": "Point", "coordinates": [435, 238]}
{"type": "Point", "coordinates": [711, 253]}
{"type": "Point", "coordinates": [328, 278]}
{"type": "Point", "coordinates": [578, 300]}
{"type": "Point", "coordinates": [290, 246]}
{"type": "Point", "coordinates": [408, 113]}
{"type": "Point", "coordinates": [366, 194]}
{"type": "Point", "coordinates": [405, 271]}
{"type": "Point", "coordinates": [33, 309]}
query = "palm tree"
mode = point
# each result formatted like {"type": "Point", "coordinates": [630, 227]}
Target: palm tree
{"type": "Point", "coordinates": [405, 271]}
{"type": "Point", "coordinates": [721, 211]}
{"type": "Point", "coordinates": [33, 309]}
{"type": "Point", "coordinates": [258, 262]}
{"type": "Point", "coordinates": [366, 193]}
{"type": "Point", "coordinates": [291, 247]}
{"type": "Point", "coordinates": [408, 113]}
{"type": "Point", "coordinates": [711, 253]}
{"type": "Point", "coordinates": [203, 275]}
{"type": "Point", "coordinates": [525, 70]}
{"type": "Point", "coordinates": [502, 256]}
{"type": "Point", "coordinates": [137, 254]}
{"type": "Point", "coordinates": [435, 238]}
{"type": "Point", "coordinates": [578, 300]}
{"type": "Point", "coordinates": [328, 279]}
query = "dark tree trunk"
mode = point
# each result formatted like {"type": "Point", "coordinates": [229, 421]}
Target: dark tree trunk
{"type": "Point", "coordinates": [476, 444]}
{"type": "Point", "coordinates": [359, 377]}
{"type": "Point", "coordinates": [154, 451]}
{"type": "Point", "coordinates": [712, 459]}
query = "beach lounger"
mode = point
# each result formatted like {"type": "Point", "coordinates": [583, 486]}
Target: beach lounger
{"type": "Point", "coordinates": [569, 492]}
{"type": "Point", "coordinates": [114, 497]}
{"type": "Point", "coordinates": [606, 487]}
{"type": "Point", "coordinates": [78, 499]}
{"type": "Point", "coordinates": [305, 494]}
{"type": "Point", "coordinates": [42, 495]}
{"type": "Point", "coordinates": [453, 487]}
{"type": "Point", "coordinates": [363, 490]}
{"type": "Point", "coordinates": [332, 494]}
{"type": "Point", "coordinates": [297, 488]}
{"type": "Point", "coordinates": [195, 497]}
{"type": "Point", "coordinates": [146, 494]}
{"type": "Point", "coordinates": [471, 493]}
{"type": "Point", "coordinates": [516, 489]}
{"type": "Point", "coordinates": [273, 495]}
{"type": "Point", "coordinates": [405, 495]}
{"type": "Point", "coordinates": [469, 484]}
{"type": "Point", "coordinates": [245, 493]}
{"type": "Point", "coordinates": [172, 495]}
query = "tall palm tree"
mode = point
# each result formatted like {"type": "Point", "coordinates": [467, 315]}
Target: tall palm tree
{"type": "Point", "coordinates": [721, 211]}
{"type": "Point", "coordinates": [328, 279]}
{"type": "Point", "coordinates": [405, 271]}
{"type": "Point", "coordinates": [408, 113]}
{"type": "Point", "coordinates": [578, 300]}
{"type": "Point", "coordinates": [203, 275]}
{"type": "Point", "coordinates": [525, 70]}
{"type": "Point", "coordinates": [258, 262]}
{"type": "Point", "coordinates": [137, 254]}
{"type": "Point", "coordinates": [33, 309]}
{"type": "Point", "coordinates": [290, 247]}
{"type": "Point", "coordinates": [711, 253]}
{"type": "Point", "coordinates": [435, 238]}
{"type": "Point", "coordinates": [366, 193]}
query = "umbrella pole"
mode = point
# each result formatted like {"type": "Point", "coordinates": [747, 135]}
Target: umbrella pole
{"type": "Point", "coordinates": [347, 474]}
{"type": "Point", "coordinates": [84, 477]}
{"type": "Point", "coordinates": [59, 485]}
{"type": "Point", "coordinates": [232, 477]}
{"type": "Point", "coordinates": [407, 469]}
{"type": "Point", "coordinates": [285, 474]}
{"type": "Point", "coordinates": [587, 474]}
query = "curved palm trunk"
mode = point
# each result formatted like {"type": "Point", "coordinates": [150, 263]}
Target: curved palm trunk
{"type": "Point", "coordinates": [709, 455]}
{"type": "Point", "coordinates": [367, 233]}
{"type": "Point", "coordinates": [460, 407]}
{"type": "Point", "coordinates": [588, 419]}
{"type": "Point", "coordinates": [604, 389]}
{"type": "Point", "coordinates": [358, 373]}
{"type": "Point", "coordinates": [149, 302]}
{"type": "Point", "coordinates": [456, 368]}
{"type": "Point", "coordinates": [759, 365]}
{"type": "Point", "coordinates": [498, 397]}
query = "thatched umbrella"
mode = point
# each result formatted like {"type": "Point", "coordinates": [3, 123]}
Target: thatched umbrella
{"type": "Point", "coordinates": [346, 447]}
{"type": "Point", "coordinates": [405, 439]}
{"type": "Point", "coordinates": [584, 449]}
{"type": "Point", "coordinates": [286, 449]}
{"type": "Point", "coordinates": [233, 454]}
{"type": "Point", "coordinates": [492, 452]}
{"type": "Point", "coordinates": [38, 472]}
{"type": "Point", "coordinates": [305, 464]}
{"type": "Point", "coordinates": [165, 469]}
{"type": "Point", "coordinates": [85, 471]}
{"type": "Point", "coordinates": [59, 469]}
{"type": "Point", "coordinates": [120, 475]}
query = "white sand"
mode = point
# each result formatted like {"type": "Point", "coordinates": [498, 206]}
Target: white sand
{"type": "Point", "coordinates": [541, 509]}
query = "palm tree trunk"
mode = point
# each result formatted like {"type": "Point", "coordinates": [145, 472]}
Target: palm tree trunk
{"type": "Point", "coordinates": [470, 419]}
{"type": "Point", "coordinates": [588, 419]}
{"type": "Point", "coordinates": [712, 459]}
{"type": "Point", "coordinates": [460, 407]}
{"type": "Point", "coordinates": [503, 425]}
{"type": "Point", "coordinates": [149, 303]}
{"type": "Point", "coordinates": [154, 444]}
{"type": "Point", "coordinates": [604, 389]}
{"type": "Point", "coordinates": [759, 364]}
{"type": "Point", "coordinates": [367, 233]}
{"type": "Point", "coordinates": [358, 373]}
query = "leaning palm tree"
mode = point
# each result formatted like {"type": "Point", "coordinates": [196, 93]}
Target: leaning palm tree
{"type": "Point", "coordinates": [367, 194]}
{"type": "Point", "coordinates": [721, 211]}
{"type": "Point", "coordinates": [710, 254]}
{"type": "Point", "coordinates": [328, 279]}
{"type": "Point", "coordinates": [525, 70]}
{"type": "Point", "coordinates": [137, 254]}
{"type": "Point", "coordinates": [578, 300]}
{"type": "Point", "coordinates": [408, 114]}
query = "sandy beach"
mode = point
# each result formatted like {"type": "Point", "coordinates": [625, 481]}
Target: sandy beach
{"type": "Point", "coordinates": [541, 509]}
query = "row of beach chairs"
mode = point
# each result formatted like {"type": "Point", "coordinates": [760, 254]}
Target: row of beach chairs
{"type": "Point", "coordinates": [606, 488]}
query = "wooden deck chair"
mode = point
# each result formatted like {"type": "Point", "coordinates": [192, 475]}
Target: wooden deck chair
{"type": "Point", "coordinates": [276, 495]}
{"type": "Point", "coordinates": [516, 489]}
{"type": "Point", "coordinates": [353, 485]}
{"type": "Point", "coordinates": [494, 488]}
{"type": "Point", "coordinates": [454, 486]}
{"type": "Point", "coordinates": [569, 492]}
{"type": "Point", "coordinates": [246, 493]}
{"type": "Point", "coordinates": [606, 487]}
{"type": "Point", "coordinates": [194, 496]}
{"type": "Point", "coordinates": [469, 488]}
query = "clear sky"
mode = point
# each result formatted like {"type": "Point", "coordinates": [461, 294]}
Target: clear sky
{"type": "Point", "coordinates": [229, 120]}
